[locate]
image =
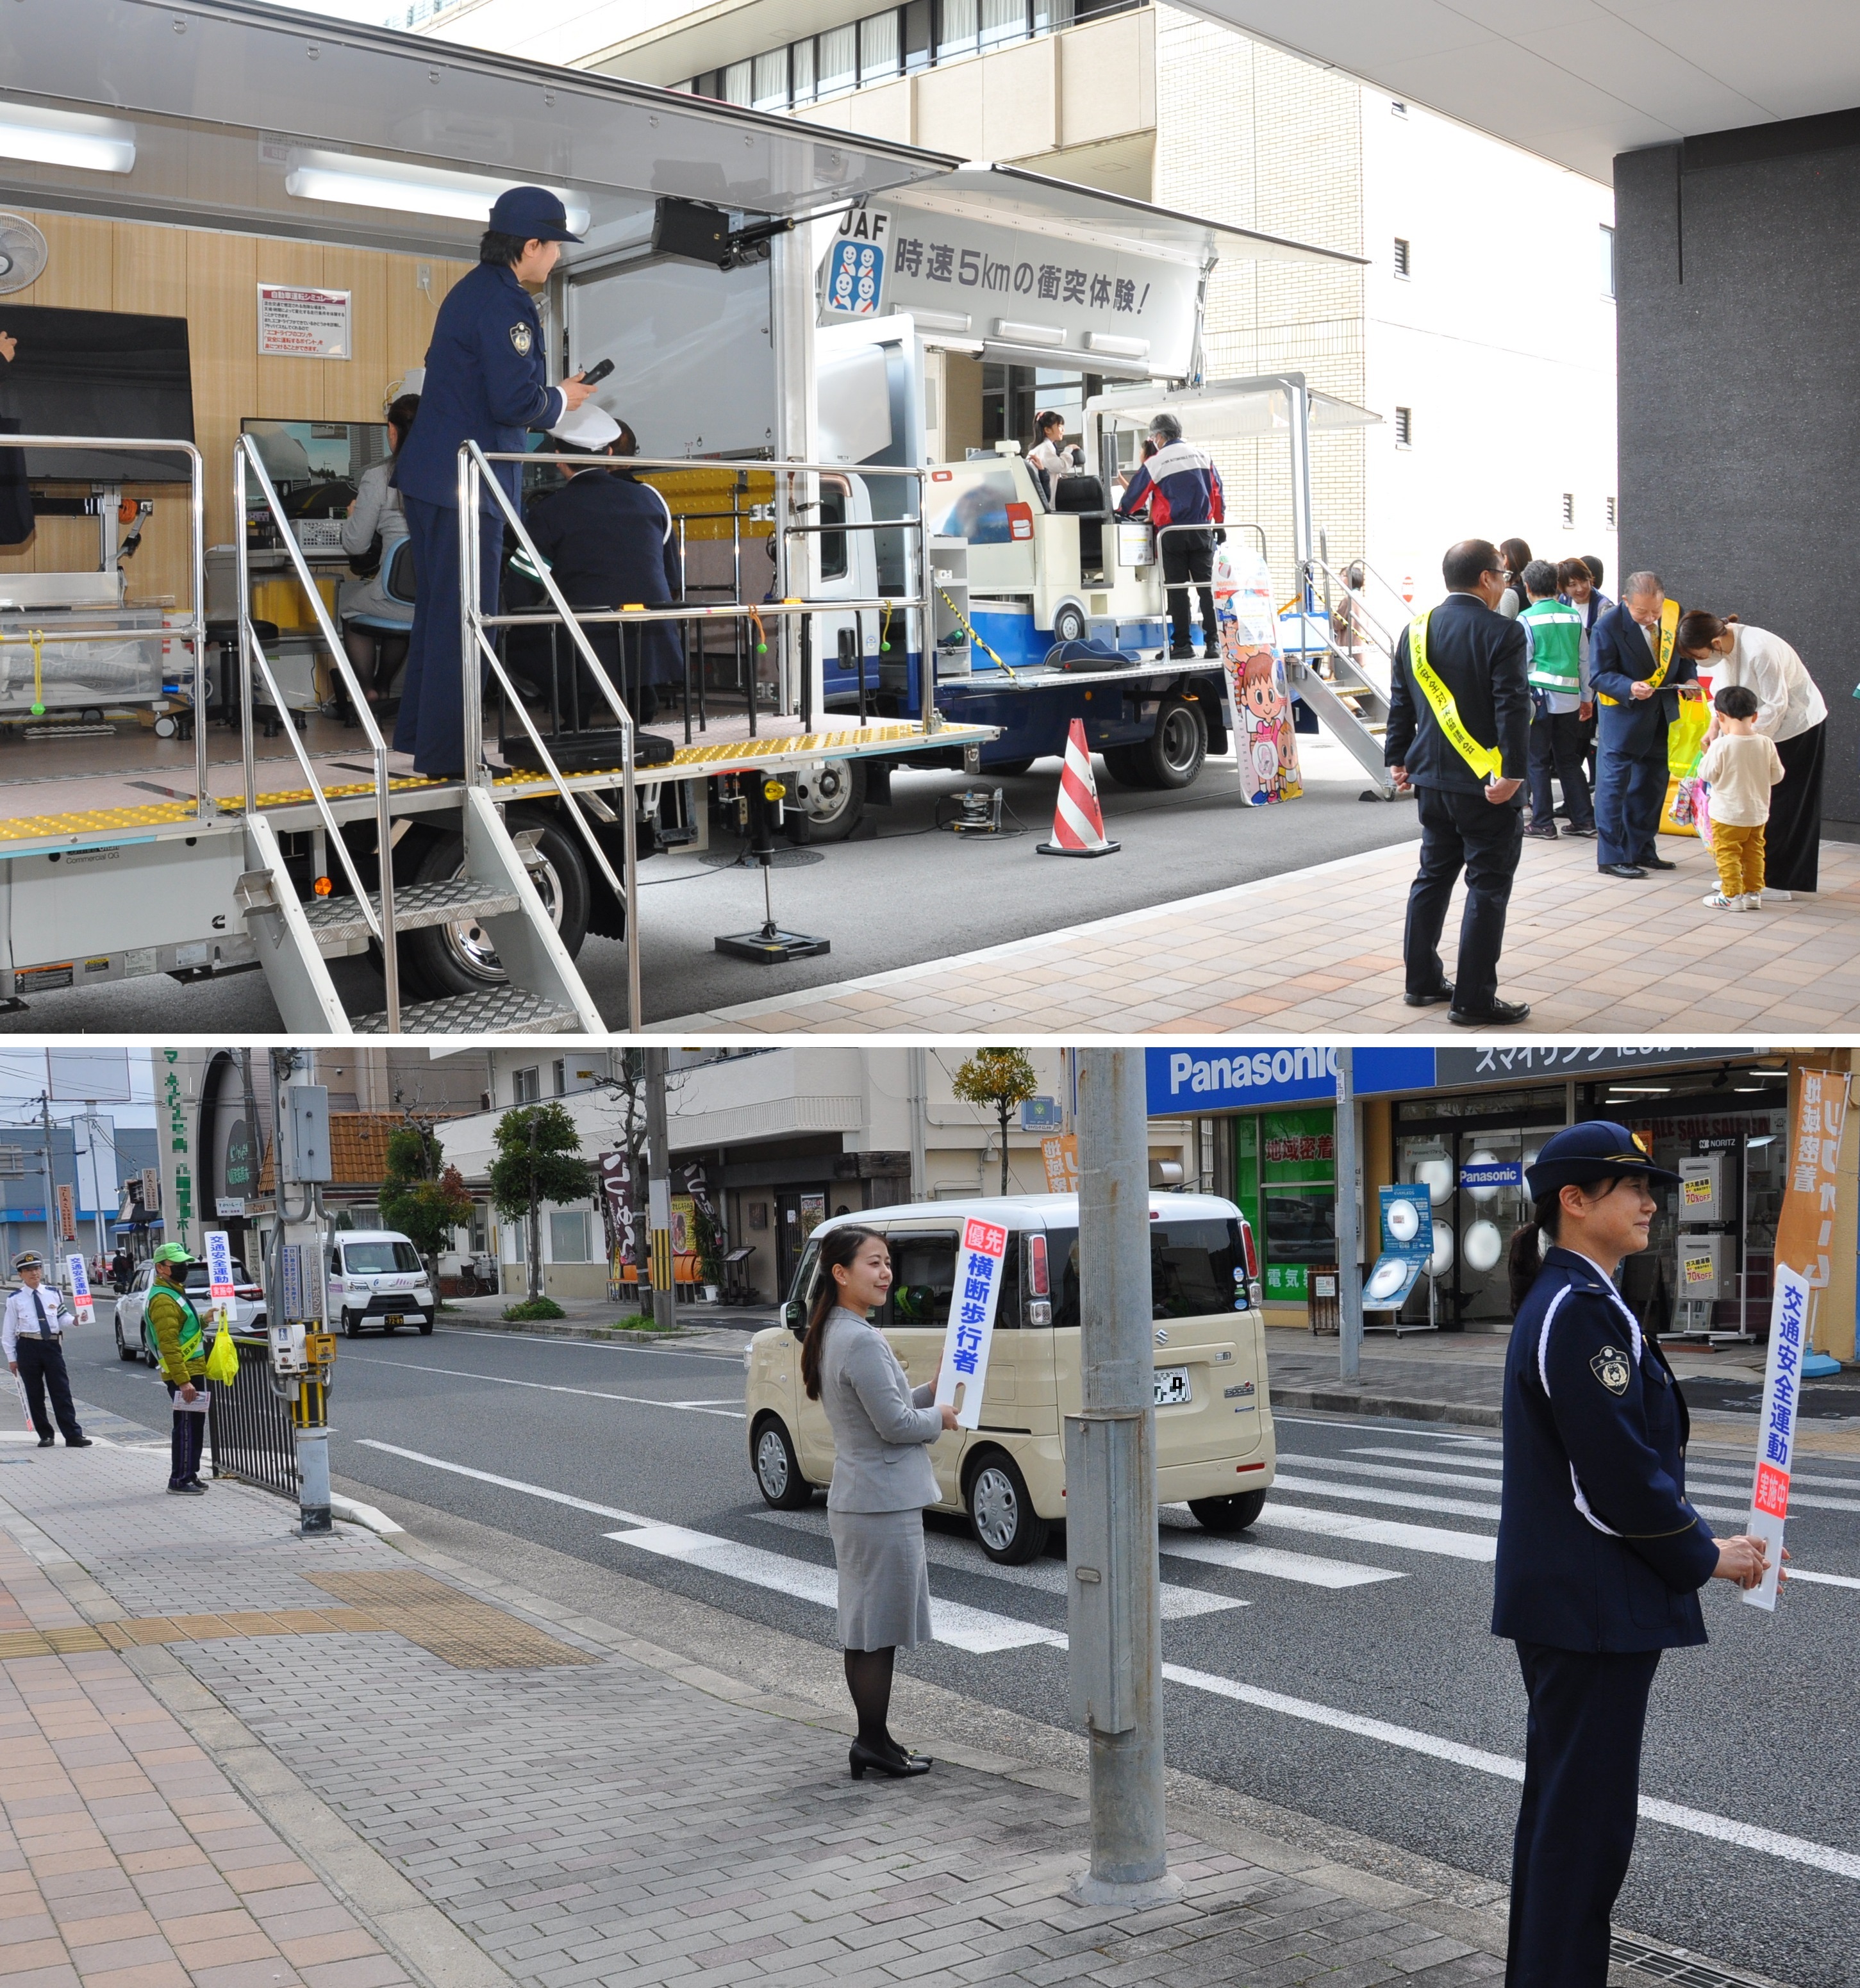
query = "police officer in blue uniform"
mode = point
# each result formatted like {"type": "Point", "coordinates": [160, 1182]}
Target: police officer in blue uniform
{"type": "Point", "coordinates": [1600, 1555]}
{"type": "Point", "coordinates": [487, 381]}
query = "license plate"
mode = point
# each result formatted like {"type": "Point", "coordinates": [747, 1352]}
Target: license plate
{"type": "Point", "coordinates": [1172, 1386]}
{"type": "Point", "coordinates": [395, 1318]}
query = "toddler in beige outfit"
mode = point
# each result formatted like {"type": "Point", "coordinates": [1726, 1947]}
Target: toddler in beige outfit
{"type": "Point", "coordinates": [1740, 765]}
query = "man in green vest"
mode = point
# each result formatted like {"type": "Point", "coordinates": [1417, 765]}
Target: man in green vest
{"type": "Point", "coordinates": [182, 1345]}
{"type": "Point", "coordinates": [1561, 705]}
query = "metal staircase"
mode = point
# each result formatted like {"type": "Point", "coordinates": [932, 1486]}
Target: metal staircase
{"type": "Point", "coordinates": [1349, 702]}
{"type": "Point", "coordinates": [493, 891]}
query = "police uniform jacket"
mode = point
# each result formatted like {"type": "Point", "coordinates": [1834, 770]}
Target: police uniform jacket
{"type": "Point", "coordinates": [487, 381]}
{"type": "Point", "coordinates": [608, 542]}
{"type": "Point", "coordinates": [1620, 657]}
{"type": "Point", "coordinates": [1480, 656]}
{"type": "Point", "coordinates": [1598, 1548]}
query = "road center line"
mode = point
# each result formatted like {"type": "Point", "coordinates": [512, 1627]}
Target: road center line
{"type": "Point", "coordinates": [704, 1407]}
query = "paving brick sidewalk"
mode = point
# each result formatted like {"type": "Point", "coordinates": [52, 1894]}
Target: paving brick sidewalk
{"type": "Point", "coordinates": [1320, 949]}
{"type": "Point", "coordinates": [606, 1821]}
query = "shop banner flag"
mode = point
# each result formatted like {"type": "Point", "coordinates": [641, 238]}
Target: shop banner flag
{"type": "Point", "coordinates": [1058, 1151]}
{"type": "Point", "coordinates": [970, 1331]}
{"type": "Point", "coordinates": [80, 1288]}
{"type": "Point", "coordinates": [1805, 1226]}
{"type": "Point", "coordinates": [1776, 1430]}
{"type": "Point", "coordinates": [219, 1274]}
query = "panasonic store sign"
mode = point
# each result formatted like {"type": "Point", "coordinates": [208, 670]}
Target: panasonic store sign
{"type": "Point", "coordinates": [1197, 1079]}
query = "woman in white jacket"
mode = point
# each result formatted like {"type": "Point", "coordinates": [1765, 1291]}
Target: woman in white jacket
{"type": "Point", "coordinates": [1791, 712]}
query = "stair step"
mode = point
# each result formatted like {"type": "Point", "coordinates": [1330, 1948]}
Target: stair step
{"type": "Point", "coordinates": [505, 1010]}
{"type": "Point", "coordinates": [416, 906]}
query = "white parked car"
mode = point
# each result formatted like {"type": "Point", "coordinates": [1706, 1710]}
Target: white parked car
{"type": "Point", "coordinates": [1215, 1448]}
{"type": "Point", "coordinates": [378, 1278]}
{"type": "Point", "coordinates": [135, 1340]}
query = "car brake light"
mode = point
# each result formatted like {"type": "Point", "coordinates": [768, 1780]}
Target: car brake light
{"type": "Point", "coordinates": [1036, 1266]}
{"type": "Point", "coordinates": [1247, 1245]}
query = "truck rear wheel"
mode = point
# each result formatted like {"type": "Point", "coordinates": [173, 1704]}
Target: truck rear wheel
{"type": "Point", "coordinates": [1174, 752]}
{"type": "Point", "coordinates": [1128, 764]}
{"type": "Point", "coordinates": [835, 800]}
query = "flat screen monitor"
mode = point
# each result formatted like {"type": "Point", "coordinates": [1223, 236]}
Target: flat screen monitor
{"type": "Point", "coordinates": [98, 373]}
{"type": "Point", "coordinates": [300, 455]}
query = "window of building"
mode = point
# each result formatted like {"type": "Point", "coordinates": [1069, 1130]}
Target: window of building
{"type": "Point", "coordinates": [526, 1086]}
{"type": "Point", "coordinates": [836, 60]}
{"type": "Point", "coordinates": [1002, 21]}
{"type": "Point", "coordinates": [800, 71]}
{"type": "Point", "coordinates": [568, 1236]}
{"type": "Point", "coordinates": [738, 81]}
{"type": "Point", "coordinates": [1404, 428]}
{"type": "Point", "coordinates": [1609, 507]}
{"type": "Point", "coordinates": [1050, 15]}
{"type": "Point", "coordinates": [919, 35]}
{"type": "Point", "coordinates": [878, 50]}
{"type": "Point", "coordinates": [559, 1075]}
{"type": "Point", "coordinates": [1569, 510]}
{"type": "Point", "coordinates": [1402, 263]}
{"type": "Point", "coordinates": [1607, 261]}
{"type": "Point", "coordinates": [771, 85]}
{"type": "Point", "coordinates": [957, 28]}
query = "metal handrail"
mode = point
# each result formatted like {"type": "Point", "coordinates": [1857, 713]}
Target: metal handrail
{"type": "Point", "coordinates": [196, 622]}
{"type": "Point", "coordinates": [245, 456]}
{"type": "Point", "coordinates": [1359, 606]}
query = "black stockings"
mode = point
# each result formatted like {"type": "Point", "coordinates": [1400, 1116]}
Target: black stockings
{"type": "Point", "coordinates": [868, 1678]}
{"type": "Point", "coordinates": [374, 657]}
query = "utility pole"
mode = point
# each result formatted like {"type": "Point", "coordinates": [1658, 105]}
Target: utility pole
{"type": "Point", "coordinates": [54, 1239]}
{"type": "Point", "coordinates": [1349, 1225]}
{"type": "Point", "coordinates": [1114, 1584]}
{"type": "Point", "coordinates": [658, 1195]}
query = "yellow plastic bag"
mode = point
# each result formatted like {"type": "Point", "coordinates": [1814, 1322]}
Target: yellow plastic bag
{"type": "Point", "coordinates": [1685, 735]}
{"type": "Point", "coordinates": [223, 1360]}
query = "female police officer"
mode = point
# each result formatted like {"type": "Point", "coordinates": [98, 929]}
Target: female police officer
{"type": "Point", "coordinates": [1600, 1555]}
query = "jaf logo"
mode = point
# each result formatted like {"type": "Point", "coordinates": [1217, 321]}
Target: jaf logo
{"type": "Point", "coordinates": [855, 269]}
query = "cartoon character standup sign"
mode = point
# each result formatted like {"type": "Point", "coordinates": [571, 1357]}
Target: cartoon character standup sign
{"type": "Point", "coordinates": [1268, 754]}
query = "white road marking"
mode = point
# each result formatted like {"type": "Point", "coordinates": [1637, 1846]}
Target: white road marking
{"type": "Point", "coordinates": [1394, 1472]}
{"type": "Point", "coordinates": [1711, 1477]}
{"type": "Point", "coordinates": [1823, 1579]}
{"type": "Point", "coordinates": [1378, 1532]}
{"type": "Point", "coordinates": [1367, 1494]}
{"type": "Point", "coordinates": [1047, 1576]}
{"type": "Point", "coordinates": [979, 1631]}
{"type": "Point", "coordinates": [1311, 1569]}
{"type": "Point", "coordinates": [1748, 1835]}
{"type": "Point", "coordinates": [1433, 1456]}
{"type": "Point", "coordinates": [706, 1407]}
{"type": "Point", "coordinates": [1734, 1481]}
{"type": "Point", "coordinates": [728, 1356]}
{"type": "Point", "coordinates": [506, 1484]}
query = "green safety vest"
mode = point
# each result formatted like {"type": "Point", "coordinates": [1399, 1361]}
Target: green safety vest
{"type": "Point", "coordinates": [1556, 646]}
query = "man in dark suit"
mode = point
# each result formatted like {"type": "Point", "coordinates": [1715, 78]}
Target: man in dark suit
{"type": "Point", "coordinates": [1458, 736]}
{"type": "Point", "coordinates": [1635, 669]}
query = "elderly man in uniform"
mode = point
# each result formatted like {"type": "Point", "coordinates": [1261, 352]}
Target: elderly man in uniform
{"type": "Point", "coordinates": [1600, 1555]}
{"type": "Point", "coordinates": [1458, 738]}
{"type": "Point", "coordinates": [486, 381]}
{"type": "Point", "coordinates": [1635, 669]}
{"type": "Point", "coordinates": [33, 1338]}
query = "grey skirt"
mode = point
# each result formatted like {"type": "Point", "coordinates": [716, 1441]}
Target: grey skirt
{"type": "Point", "coordinates": [884, 1582]}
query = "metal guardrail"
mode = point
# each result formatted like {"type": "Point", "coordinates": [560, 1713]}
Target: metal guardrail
{"type": "Point", "coordinates": [194, 627]}
{"type": "Point", "coordinates": [247, 460]}
{"type": "Point", "coordinates": [248, 1424]}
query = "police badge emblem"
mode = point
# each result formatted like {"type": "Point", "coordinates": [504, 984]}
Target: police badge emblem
{"type": "Point", "coordinates": [1610, 1367]}
{"type": "Point", "coordinates": [520, 338]}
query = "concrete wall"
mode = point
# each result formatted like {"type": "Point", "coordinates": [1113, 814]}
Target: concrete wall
{"type": "Point", "coordinates": [1739, 427]}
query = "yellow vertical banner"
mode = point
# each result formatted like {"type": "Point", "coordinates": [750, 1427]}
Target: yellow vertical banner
{"type": "Point", "coordinates": [1058, 1151]}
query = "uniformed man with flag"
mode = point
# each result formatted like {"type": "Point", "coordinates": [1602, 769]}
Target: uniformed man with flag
{"type": "Point", "coordinates": [1459, 738]}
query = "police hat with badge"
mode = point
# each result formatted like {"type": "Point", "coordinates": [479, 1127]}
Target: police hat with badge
{"type": "Point", "coordinates": [531, 214]}
{"type": "Point", "coordinates": [1597, 1150]}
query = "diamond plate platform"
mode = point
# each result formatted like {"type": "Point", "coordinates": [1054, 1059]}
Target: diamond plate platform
{"type": "Point", "coordinates": [416, 906]}
{"type": "Point", "coordinates": [507, 1011]}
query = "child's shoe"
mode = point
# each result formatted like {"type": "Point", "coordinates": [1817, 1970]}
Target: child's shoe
{"type": "Point", "coordinates": [1717, 901]}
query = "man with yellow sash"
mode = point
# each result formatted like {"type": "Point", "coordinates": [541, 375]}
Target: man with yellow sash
{"type": "Point", "coordinates": [1458, 738]}
{"type": "Point", "coordinates": [1635, 669]}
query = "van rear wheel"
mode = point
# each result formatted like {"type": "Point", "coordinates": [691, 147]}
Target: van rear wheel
{"type": "Point", "coordinates": [1006, 1527]}
{"type": "Point", "coordinates": [1229, 1515]}
{"type": "Point", "coordinates": [778, 1469]}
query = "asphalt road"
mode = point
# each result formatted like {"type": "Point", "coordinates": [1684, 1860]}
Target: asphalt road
{"type": "Point", "coordinates": [961, 893]}
{"type": "Point", "coordinates": [1753, 1734]}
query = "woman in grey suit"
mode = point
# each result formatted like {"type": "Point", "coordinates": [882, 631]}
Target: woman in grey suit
{"type": "Point", "coordinates": [882, 1479]}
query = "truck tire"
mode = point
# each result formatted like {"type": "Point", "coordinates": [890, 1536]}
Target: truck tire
{"type": "Point", "coordinates": [460, 958]}
{"type": "Point", "coordinates": [1229, 1515]}
{"type": "Point", "coordinates": [1128, 765]}
{"type": "Point", "coordinates": [1009, 769]}
{"type": "Point", "coordinates": [1007, 1528]}
{"type": "Point", "coordinates": [1068, 622]}
{"type": "Point", "coordinates": [1174, 750]}
{"type": "Point", "coordinates": [835, 800]}
{"type": "Point", "coordinates": [778, 1469]}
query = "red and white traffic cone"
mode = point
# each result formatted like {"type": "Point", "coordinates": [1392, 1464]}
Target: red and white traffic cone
{"type": "Point", "coordinates": [1078, 822]}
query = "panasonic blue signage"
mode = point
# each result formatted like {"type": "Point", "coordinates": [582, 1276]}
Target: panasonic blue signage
{"type": "Point", "coordinates": [1224, 1079]}
{"type": "Point", "coordinates": [1492, 1174]}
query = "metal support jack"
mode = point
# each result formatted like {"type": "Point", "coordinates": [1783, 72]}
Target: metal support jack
{"type": "Point", "coordinates": [771, 946]}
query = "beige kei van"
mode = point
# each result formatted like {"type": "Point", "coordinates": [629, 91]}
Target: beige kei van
{"type": "Point", "coordinates": [1215, 1445]}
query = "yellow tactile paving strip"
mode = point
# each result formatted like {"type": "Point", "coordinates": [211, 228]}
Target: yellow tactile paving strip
{"type": "Point", "coordinates": [467, 1635]}
{"type": "Point", "coordinates": [689, 758]}
{"type": "Point", "coordinates": [133, 1630]}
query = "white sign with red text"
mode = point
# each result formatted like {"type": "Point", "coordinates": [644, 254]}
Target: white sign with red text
{"type": "Point", "coordinates": [219, 1274]}
{"type": "Point", "coordinates": [1776, 1430]}
{"type": "Point", "coordinates": [80, 1289]}
{"type": "Point", "coordinates": [979, 1258]}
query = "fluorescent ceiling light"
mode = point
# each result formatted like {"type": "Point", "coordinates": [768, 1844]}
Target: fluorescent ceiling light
{"type": "Point", "coordinates": [352, 181]}
{"type": "Point", "coordinates": [64, 138]}
{"type": "Point", "coordinates": [1121, 348]}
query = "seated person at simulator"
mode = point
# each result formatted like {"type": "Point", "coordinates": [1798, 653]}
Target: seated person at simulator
{"type": "Point", "coordinates": [608, 542]}
{"type": "Point", "coordinates": [1049, 457]}
{"type": "Point", "coordinates": [375, 627]}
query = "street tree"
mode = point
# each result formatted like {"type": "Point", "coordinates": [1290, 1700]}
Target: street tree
{"type": "Point", "coordinates": [420, 1195]}
{"type": "Point", "coordinates": [1000, 1081]}
{"type": "Point", "coordinates": [538, 1159]}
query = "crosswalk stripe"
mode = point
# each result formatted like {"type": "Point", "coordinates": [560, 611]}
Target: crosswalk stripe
{"type": "Point", "coordinates": [1377, 1532]}
{"type": "Point", "coordinates": [979, 1631]}
{"type": "Point", "coordinates": [1369, 1494]}
{"type": "Point", "coordinates": [1274, 1562]}
{"type": "Point", "coordinates": [1458, 1462]}
{"type": "Point", "coordinates": [1394, 1472]}
{"type": "Point", "coordinates": [1700, 1822]}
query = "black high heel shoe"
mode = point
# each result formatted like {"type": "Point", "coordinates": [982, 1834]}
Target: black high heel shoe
{"type": "Point", "coordinates": [899, 1766]}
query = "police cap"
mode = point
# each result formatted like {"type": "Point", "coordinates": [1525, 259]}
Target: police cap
{"type": "Point", "coordinates": [532, 213]}
{"type": "Point", "coordinates": [28, 1260]}
{"type": "Point", "coordinates": [1598, 1150]}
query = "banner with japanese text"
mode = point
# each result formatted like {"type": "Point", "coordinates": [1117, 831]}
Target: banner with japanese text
{"type": "Point", "coordinates": [980, 1259]}
{"type": "Point", "coordinates": [219, 1274]}
{"type": "Point", "coordinates": [1059, 1152]}
{"type": "Point", "coordinates": [81, 1302]}
{"type": "Point", "coordinates": [1776, 1429]}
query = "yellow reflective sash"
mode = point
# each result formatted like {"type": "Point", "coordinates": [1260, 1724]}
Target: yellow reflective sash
{"type": "Point", "coordinates": [1486, 761]}
{"type": "Point", "coordinates": [1670, 632]}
